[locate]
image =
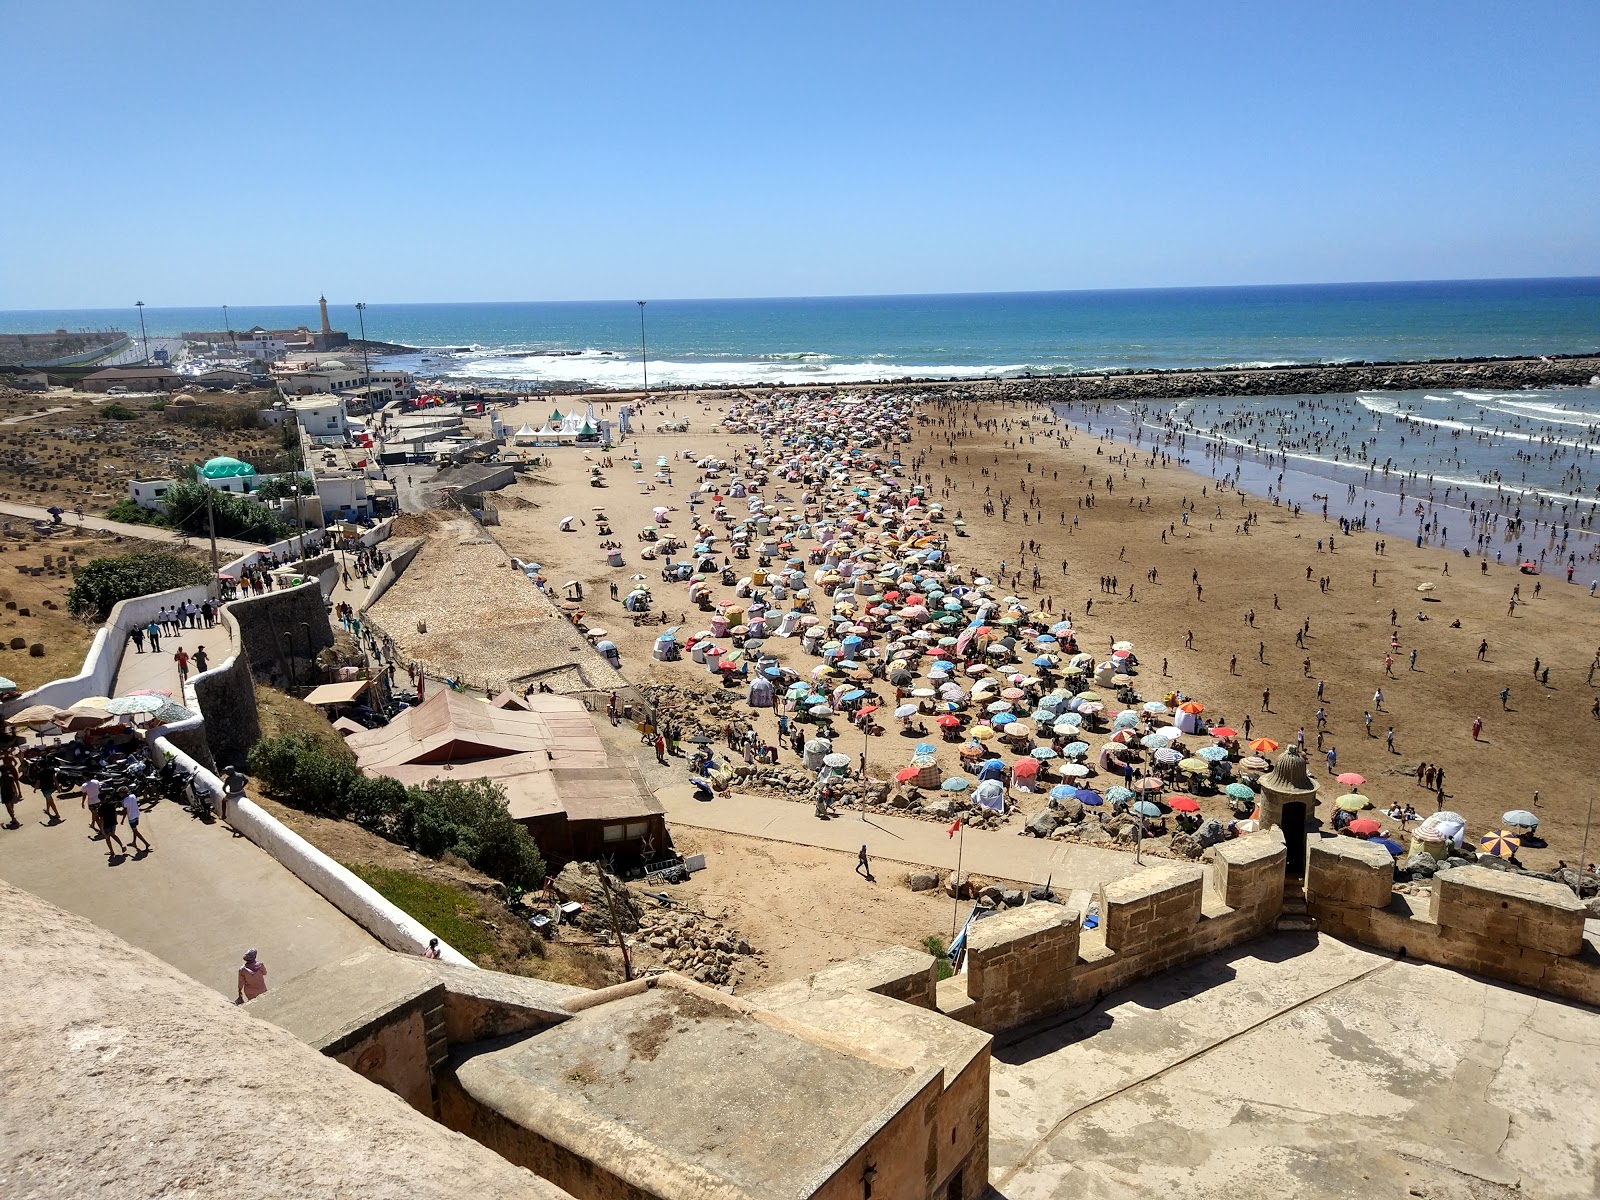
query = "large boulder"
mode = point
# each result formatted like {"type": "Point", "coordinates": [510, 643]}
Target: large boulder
{"type": "Point", "coordinates": [922, 881]}
{"type": "Point", "coordinates": [943, 809]}
{"type": "Point", "coordinates": [1212, 833]}
{"type": "Point", "coordinates": [580, 881]}
{"type": "Point", "coordinates": [1420, 865]}
{"type": "Point", "coordinates": [1044, 824]}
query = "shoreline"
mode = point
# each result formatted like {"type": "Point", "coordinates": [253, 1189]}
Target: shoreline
{"type": "Point", "coordinates": [1162, 383]}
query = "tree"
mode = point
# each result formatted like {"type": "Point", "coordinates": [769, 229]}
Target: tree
{"type": "Point", "coordinates": [107, 581]}
{"type": "Point", "coordinates": [236, 516]}
{"type": "Point", "coordinates": [281, 487]}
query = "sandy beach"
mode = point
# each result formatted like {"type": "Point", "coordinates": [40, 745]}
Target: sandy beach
{"type": "Point", "coordinates": [1252, 620]}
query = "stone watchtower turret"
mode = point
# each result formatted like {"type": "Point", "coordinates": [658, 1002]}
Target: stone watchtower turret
{"type": "Point", "coordinates": [322, 302]}
{"type": "Point", "coordinates": [1289, 801]}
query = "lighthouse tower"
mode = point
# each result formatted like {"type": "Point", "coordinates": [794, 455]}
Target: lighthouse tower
{"type": "Point", "coordinates": [322, 301]}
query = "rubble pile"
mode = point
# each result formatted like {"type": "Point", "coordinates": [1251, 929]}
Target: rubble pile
{"type": "Point", "coordinates": [693, 944]}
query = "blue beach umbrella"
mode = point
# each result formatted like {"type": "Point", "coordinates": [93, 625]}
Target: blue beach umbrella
{"type": "Point", "coordinates": [1119, 795]}
{"type": "Point", "coordinates": [1003, 719]}
{"type": "Point", "coordinates": [1063, 791]}
{"type": "Point", "coordinates": [1075, 749]}
{"type": "Point", "coordinates": [1088, 796]}
{"type": "Point", "coordinates": [954, 784]}
{"type": "Point", "coordinates": [1143, 808]}
{"type": "Point", "coordinates": [1212, 753]}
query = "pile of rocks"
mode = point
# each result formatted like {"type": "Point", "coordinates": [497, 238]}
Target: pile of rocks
{"type": "Point", "coordinates": [693, 944]}
{"type": "Point", "coordinates": [1069, 821]}
{"type": "Point", "coordinates": [988, 893]}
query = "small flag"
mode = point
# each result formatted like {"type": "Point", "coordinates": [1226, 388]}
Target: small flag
{"type": "Point", "coordinates": [955, 827]}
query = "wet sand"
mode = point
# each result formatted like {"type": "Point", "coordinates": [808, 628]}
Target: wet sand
{"type": "Point", "coordinates": [1102, 507]}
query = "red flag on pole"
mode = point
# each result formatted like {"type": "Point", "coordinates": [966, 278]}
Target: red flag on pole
{"type": "Point", "coordinates": [955, 827]}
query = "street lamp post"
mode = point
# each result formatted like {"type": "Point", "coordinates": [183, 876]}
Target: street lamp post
{"type": "Point", "coordinates": [143, 337]}
{"type": "Point", "coordinates": [227, 325]}
{"type": "Point", "coordinates": [361, 315]}
{"type": "Point", "coordinates": [644, 356]}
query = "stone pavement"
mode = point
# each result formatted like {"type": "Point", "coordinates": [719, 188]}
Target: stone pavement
{"type": "Point", "coordinates": [1297, 1066]}
{"type": "Point", "coordinates": [150, 533]}
{"type": "Point", "coordinates": [198, 901]}
{"type": "Point", "coordinates": [1000, 854]}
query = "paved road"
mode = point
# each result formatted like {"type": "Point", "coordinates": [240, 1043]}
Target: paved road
{"type": "Point", "coordinates": [151, 533]}
{"type": "Point", "coordinates": [1001, 854]}
{"type": "Point", "coordinates": [198, 901]}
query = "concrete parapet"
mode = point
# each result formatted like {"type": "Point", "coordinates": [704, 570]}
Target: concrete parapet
{"type": "Point", "coordinates": [1494, 923]}
{"type": "Point", "coordinates": [1019, 963]}
{"type": "Point", "coordinates": [1248, 871]}
{"type": "Point", "coordinates": [1536, 914]}
{"type": "Point", "coordinates": [1153, 904]}
{"type": "Point", "coordinates": [1345, 870]}
{"type": "Point", "coordinates": [898, 972]}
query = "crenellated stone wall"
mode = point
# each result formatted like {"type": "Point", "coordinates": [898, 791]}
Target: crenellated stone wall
{"type": "Point", "coordinates": [1495, 923]}
{"type": "Point", "coordinates": [1037, 960]}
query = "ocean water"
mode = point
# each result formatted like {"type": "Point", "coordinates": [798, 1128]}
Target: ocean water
{"type": "Point", "coordinates": [850, 339]}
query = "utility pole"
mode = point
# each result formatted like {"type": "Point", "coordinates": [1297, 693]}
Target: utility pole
{"type": "Point", "coordinates": [232, 342]}
{"type": "Point", "coordinates": [211, 528]}
{"type": "Point", "coordinates": [144, 338]}
{"type": "Point", "coordinates": [366, 369]}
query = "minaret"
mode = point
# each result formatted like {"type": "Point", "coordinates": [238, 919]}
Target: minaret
{"type": "Point", "coordinates": [326, 328]}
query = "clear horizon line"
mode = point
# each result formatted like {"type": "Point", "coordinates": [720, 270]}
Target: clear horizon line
{"type": "Point", "coordinates": [845, 295]}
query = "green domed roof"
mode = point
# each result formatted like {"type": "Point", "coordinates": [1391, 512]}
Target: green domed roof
{"type": "Point", "coordinates": [226, 468]}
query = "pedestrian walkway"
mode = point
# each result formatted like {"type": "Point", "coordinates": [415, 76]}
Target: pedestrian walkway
{"type": "Point", "coordinates": [150, 533]}
{"type": "Point", "coordinates": [999, 854]}
{"type": "Point", "coordinates": [157, 669]}
{"type": "Point", "coordinates": [199, 900]}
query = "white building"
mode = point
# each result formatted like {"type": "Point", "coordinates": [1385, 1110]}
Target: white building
{"type": "Point", "coordinates": [322, 417]}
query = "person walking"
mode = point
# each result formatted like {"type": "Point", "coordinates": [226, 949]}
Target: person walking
{"type": "Point", "coordinates": [43, 773]}
{"type": "Point", "coordinates": [252, 978]}
{"type": "Point", "coordinates": [182, 659]}
{"type": "Point", "coordinates": [130, 812]}
{"type": "Point", "coordinates": [1505, 699]}
{"type": "Point", "coordinates": [1477, 727]}
{"type": "Point", "coordinates": [107, 810]}
{"type": "Point", "coordinates": [136, 636]}
{"type": "Point", "coordinates": [10, 789]}
{"type": "Point", "coordinates": [202, 661]}
{"type": "Point", "coordinates": [1377, 700]}
{"type": "Point", "coordinates": [863, 865]}
{"type": "Point", "coordinates": [1413, 658]}
{"type": "Point", "coordinates": [153, 632]}
{"type": "Point", "coordinates": [1388, 740]}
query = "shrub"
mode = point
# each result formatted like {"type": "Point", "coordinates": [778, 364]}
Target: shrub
{"type": "Point", "coordinates": [118, 411]}
{"type": "Point", "coordinates": [467, 819]}
{"type": "Point", "coordinates": [235, 516]}
{"type": "Point", "coordinates": [130, 513]}
{"type": "Point", "coordinates": [106, 581]}
{"type": "Point", "coordinates": [375, 803]}
{"type": "Point", "coordinates": [934, 945]}
{"type": "Point", "coordinates": [295, 766]}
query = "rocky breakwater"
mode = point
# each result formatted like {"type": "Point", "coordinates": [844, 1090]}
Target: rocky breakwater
{"type": "Point", "coordinates": [1574, 370]}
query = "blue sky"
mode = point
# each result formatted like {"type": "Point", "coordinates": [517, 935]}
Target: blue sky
{"type": "Point", "coordinates": [202, 153]}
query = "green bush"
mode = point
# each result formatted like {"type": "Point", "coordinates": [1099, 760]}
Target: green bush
{"type": "Point", "coordinates": [235, 516]}
{"type": "Point", "coordinates": [934, 945]}
{"type": "Point", "coordinates": [469, 819]}
{"type": "Point", "coordinates": [106, 581]}
{"type": "Point", "coordinates": [374, 803]}
{"type": "Point", "coordinates": [466, 818]}
{"type": "Point", "coordinates": [118, 411]}
{"type": "Point", "coordinates": [295, 766]}
{"type": "Point", "coordinates": [130, 513]}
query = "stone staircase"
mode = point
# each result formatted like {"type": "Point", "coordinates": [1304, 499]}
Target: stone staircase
{"type": "Point", "coordinates": [1295, 916]}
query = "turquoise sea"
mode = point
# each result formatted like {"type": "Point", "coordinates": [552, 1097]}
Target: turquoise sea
{"type": "Point", "coordinates": [845, 339]}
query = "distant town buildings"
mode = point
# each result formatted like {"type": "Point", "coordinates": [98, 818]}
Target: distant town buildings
{"type": "Point", "coordinates": [134, 379]}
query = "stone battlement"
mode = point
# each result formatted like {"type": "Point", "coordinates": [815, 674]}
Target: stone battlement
{"type": "Point", "coordinates": [1037, 960]}
{"type": "Point", "coordinates": [1495, 923]}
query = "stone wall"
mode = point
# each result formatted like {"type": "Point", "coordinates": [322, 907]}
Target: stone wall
{"type": "Point", "coordinates": [1495, 923]}
{"type": "Point", "coordinates": [227, 700]}
{"type": "Point", "coordinates": [264, 620]}
{"type": "Point", "coordinates": [1035, 961]}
